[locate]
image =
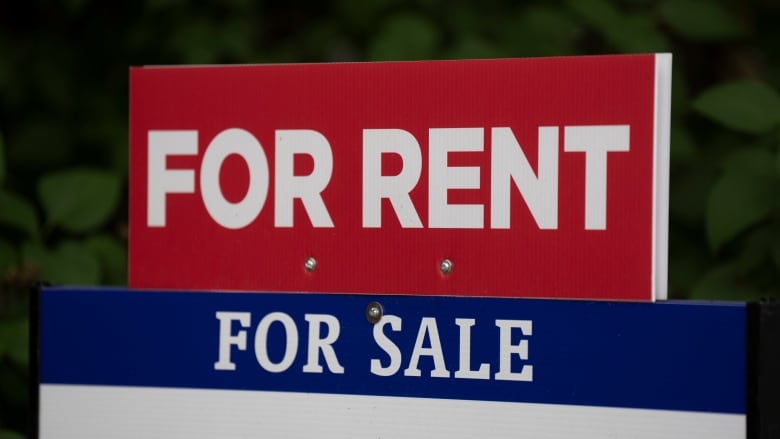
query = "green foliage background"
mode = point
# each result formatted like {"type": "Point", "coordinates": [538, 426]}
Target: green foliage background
{"type": "Point", "coordinates": [63, 119]}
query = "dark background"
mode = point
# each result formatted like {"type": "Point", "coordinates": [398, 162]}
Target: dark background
{"type": "Point", "coordinates": [63, 119]}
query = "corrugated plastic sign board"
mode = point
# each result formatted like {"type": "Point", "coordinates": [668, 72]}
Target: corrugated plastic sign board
{"type": "Point", "coordinates": [127, 364]}
{"type": "Point", "coordinates": [542, 177]}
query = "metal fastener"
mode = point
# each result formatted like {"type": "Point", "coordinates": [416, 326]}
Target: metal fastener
{"type": "Point", "coordinates": [374, 312]}
{"type": "Point", "coordinates": [310, 264]}
{"type": "Point", "coordinates": [446, 266]}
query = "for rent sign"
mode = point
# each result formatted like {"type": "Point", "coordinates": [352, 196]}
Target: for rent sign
{"type": "Point", "coordinates": [521, 177]}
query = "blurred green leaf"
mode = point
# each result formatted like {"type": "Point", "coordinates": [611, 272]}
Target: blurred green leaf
{"type": "Point", "coordinates": [636, 34]}
{"type": "Point", "coordinates": [601, 14]}
{"type": "Point", "coordinates": [723, 282]}
{"type": "Point", "coordinates": [699, 20]}
{"type": "Point", "coordinates": [324, 42]}
{"type": "Point", "coordinates": [680, 94]}
{"type": "Point", "coordinates": [750, 162]}
{"type": "Point", "coordinates": [776, 252]}
{"type": "Point", "coordinates": [8, 434]}
{"type": "Point", "coordinates": [683, 149]}
{"type": "Point", "coordinates": [405, 37]}
{"type": "Point", "coordinates": [777, 161]}
{"type": "Point", "coordinates": [553, 28]}
{"type": "Point", "coordinates": [196, 41]}
{"type": "Point", "coordinates": [755, 252]}
{"type": "Point", "coordinates": [18, 213]}
{"type": "Point", "coordinates": [627, 33]}
{"type": "Point", "coordinates": [105, 137]}
{"type": "Point", "coordinates": [14, 394]}
{"type": "Point", "coordinates": [157, 5]}
{"type": "Point", "coordinates": [471, 47]}
{"type": "Point", "coordinates": [71, 263]}
{"type": "Point", "coordinates": [465, 17]}
{"type": "Point", "coordinates": [8, 256]}
{"type": "Point", "coordinates": [539, 30]}
{"type": "Point", "coordinates": [14, 340]}
{"type": "Point", "coordinates": [79, 200]}
{"type": "Point", "coordinates": [690, 259]}
{"type": "Point", "coordinates": [206, 40]}
{"type": "Point", "coordinates": [57, 90]}
{"type": "Point", "coordinates": [736, 203]}
{"type": "Point", "coordinates": [3, 168]}
{"type": "Point", "coordinates": [688, 200]}
{"type": "Point", "coordinates": [747, 106]}
{"type": "Point", "coordinates": [112, 258]}
{"type": "Point", "coordinates": [6, 68]}
{"type": "Point", "coordinates": [38, 143]}
{"type": "Point", "coordinates": [76, 7]}
{"type": "Point", "coordinates": [359, 13]}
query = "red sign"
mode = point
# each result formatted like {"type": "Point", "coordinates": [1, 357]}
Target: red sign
{"type": "Point", "coordinates": [516, 177]}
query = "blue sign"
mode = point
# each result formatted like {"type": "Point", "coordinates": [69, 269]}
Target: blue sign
{"type": "Point", "coordinates": [655, 357]}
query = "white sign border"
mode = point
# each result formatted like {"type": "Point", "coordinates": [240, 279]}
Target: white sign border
{"type": "Point", "coordinates": [661, 162]}
{"type": "Point", "coordinates": [92, 412]}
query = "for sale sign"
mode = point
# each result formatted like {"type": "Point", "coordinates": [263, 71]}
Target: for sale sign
{"type": "Point", "coordinates": [150, 364]}
{"type": "Point", "coordinates": [516, 177]}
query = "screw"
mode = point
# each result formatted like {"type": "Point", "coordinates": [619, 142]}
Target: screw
{"type": "Point", "coordinates": [374, 312]}
{"type": "Point", "coordinates": [446, 266]}
{"type": "Point", "coordinates": [310, 264]}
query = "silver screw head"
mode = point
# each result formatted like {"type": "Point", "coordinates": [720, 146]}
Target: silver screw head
{"type": "Point", "coordinates": [310, 264]}
{"type": "Point", "coordinates": [445, 266]}
{"type": "Point", "coordinates": [374, 312]}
